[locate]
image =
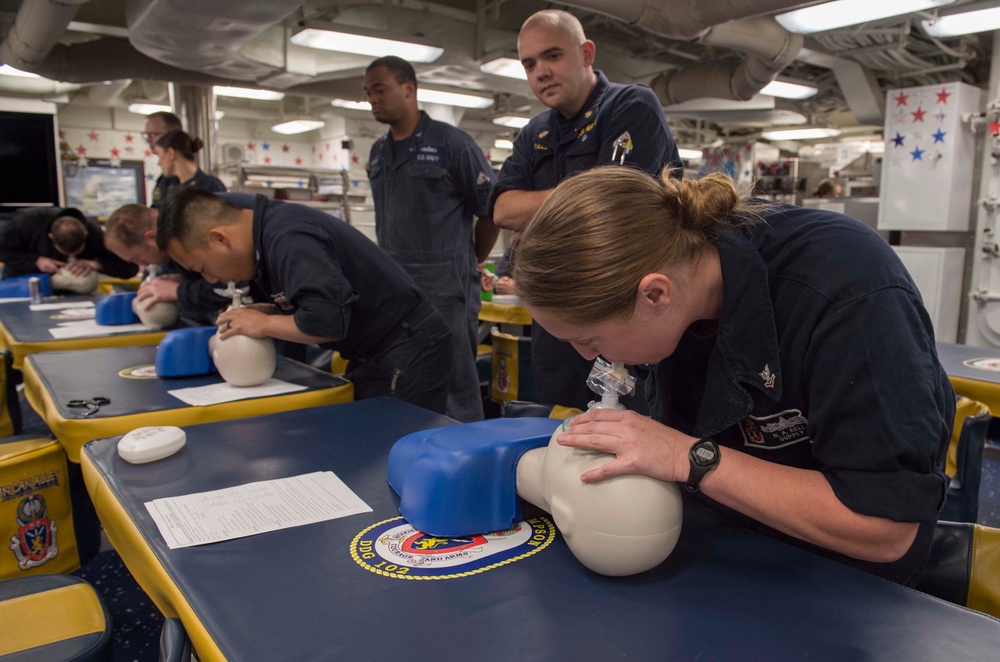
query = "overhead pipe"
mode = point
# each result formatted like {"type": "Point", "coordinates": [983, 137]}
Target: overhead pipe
{"type": "Point", "coordinates": [737, 24]}
{"type": "Point", "coordinates": [37, 27]}
{"type": "Point", "coordinates": [769, 48]}
{"type": "Point", "coordinates": [684, 19]}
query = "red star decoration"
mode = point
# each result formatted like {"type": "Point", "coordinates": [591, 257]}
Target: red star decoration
{"type": "Point", "coordinates": [788, 163]}
{"type": "Point", "coordinates": [250, 146]}
{"type": "Point", "coordinates": [81, 150]}
{"type": "Point", "coordinates": [943, 96]}
{"type": "Point", "coordinates": [748, 147]}
{"type": "Point", "coordinates": [715, 158]}
{"type": "Point", "coordinates": [994, 128]}
{"type": "Point", "coordinates": [129, 137]}
{"type": "Point", "coordinates": [354, 158]}
{"type": "Point", "coordinates": [267, 159]}
{"type": "Point", "coordinates": [328, 146]}
{"type": "Point", "coordinates": [918, 114]}
{"type": "Point", "coordinates": [284, 148]}
{"type": "Point", "coordinates": [901, 99]}
{"type": "Point", "coordinates": [313, 148]}
{"type": "Point", "coordinates": [62, 134]}
{"type": "Point", "coordinates": [298, 160]}
{"type": "Point", "coordinates": [115, 151]}
{"type": "Point", "coordinates": [320, 156]}
{"type": "Point", "coordinates": [147, 154]}
{"type": "Point", "coordinates": [93, 136]}
{"type": "Point", "coordinates": [836, 173]}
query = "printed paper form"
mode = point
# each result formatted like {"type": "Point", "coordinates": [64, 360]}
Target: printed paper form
{"type": "Point", "coordinates": [213, 394]}
{"type": "Point", "coordinates": [246, 510]}
{"type": "Point", "coordinates": [60, 305]}
{"type": "Point", "coordinates": [89, 328]}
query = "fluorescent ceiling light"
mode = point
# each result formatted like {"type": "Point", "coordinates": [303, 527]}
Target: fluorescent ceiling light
{"type": "Point", "coordinates": [344, 42]}
{"type": "Point", "coordinates": [7, 70]}
{"type": "Point", "coordinates": [148, 108]}
{"type": "Point", "coordinates": [505, 66]}
{"type": "Point", "coordinates": [453, 99]}
{"type": "Point", "coordinates": [789, 90]}
{"type": "Point", "coordinates": [809, 133]}
{"type": "Point", "coordinates": [219, 114]}
{"type": "Point", "coordinates": [353, 105]}
{"type": "Point", "coordinates": [503, 143]}
{"type": "Point", "coordinates": [689, 153]}
{"type": "Point", "coordinates": [965, 23]}
{"type": "Point", "coordinates": [297, 126]}
{"type": "Point", "coordinates": [839, 13]}
{"type": "Point", "coordinates": [512, 121]}
{"type": "Point", "coordinates": [249, 93]}
{"type": "Point", "coordinates": [428, 96]}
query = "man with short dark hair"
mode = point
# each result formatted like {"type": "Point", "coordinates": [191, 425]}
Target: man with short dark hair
{"type": "Point", "coordinates": [430, 183]}
{"type": "Point", "coordinates": [131, 235]}
{"type": "Point", "coordinates": [329, 285]}
{"type": "Point", "coordinates": [44, 240]}
{"type": "Point", "coordinates": [590, 122]}
{"type": "Point", "coordinates": [158, 124]}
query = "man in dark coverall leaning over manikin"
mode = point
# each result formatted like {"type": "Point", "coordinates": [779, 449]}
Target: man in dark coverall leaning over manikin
{"type": "Point", "coordinates": [44, 239]}
{"type": "Point", "coordinates": [429, 180]}
{"type": "Point", "coordinates": [591, 122]}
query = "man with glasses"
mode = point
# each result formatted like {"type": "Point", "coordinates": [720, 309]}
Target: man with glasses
{"type": "Point", "coordinates": [157, 124]}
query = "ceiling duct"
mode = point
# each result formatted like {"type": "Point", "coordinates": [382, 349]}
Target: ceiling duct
{"type": "Point", "coordinates": [37, 27]}
{"type": "Point", "coordinates": [768, 46]}
{"type": "Point", "coordinates": [205, 36]}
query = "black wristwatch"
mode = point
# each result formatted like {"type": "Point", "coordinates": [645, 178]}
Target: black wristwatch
{"type": "Point", "coordinates": [704, 456]}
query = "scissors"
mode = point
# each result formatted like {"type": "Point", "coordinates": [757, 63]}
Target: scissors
{"type": "Point", "coordinates": [93, 404]}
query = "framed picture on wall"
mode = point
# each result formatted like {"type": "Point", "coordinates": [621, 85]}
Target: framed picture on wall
{"type": "Point", "coordinates": [98, 188]}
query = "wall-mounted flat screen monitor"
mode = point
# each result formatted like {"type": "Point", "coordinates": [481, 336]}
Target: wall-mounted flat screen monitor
{"type": "Point", "coordinates": [29, 161]}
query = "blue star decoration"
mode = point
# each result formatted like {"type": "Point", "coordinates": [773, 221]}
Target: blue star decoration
{"type": "Point", "coordinates": [917, 154]}
{"type": "Point", "coordinates": [898, 140]}
{"type": "Point", "coordinates": [149, 177]}
{"type": "Point", "coordinates": [265, 146]}
{"type": "Point", "coordinates": [939, 136]}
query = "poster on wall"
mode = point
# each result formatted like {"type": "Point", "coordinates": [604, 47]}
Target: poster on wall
{"type": "Point", "coordinates": [99, 188]}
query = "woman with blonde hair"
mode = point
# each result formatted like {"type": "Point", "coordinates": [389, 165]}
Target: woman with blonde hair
{"type": "Point", "coordinates": [793, 380]}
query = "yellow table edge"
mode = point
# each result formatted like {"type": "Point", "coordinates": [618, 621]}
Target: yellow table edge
{"type": "Point", "coordinates": [144, 564]}
{"type": "Point", "coordinates": [75, 432]}
{"type": "Point", "coordinates": [504, 313]}
{"type": "Point", "coordinates": [986, 392]}
{"type": "Point", "coordinates": [19, 350]}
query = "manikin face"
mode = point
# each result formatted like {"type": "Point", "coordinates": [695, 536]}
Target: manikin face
{"type": "Point", "coordinates": [558, 68]}
{"type": "Point", "coordinates": [389, 98]}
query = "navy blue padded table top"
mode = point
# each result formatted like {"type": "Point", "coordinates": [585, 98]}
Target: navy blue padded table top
{"type": "Point", "coordinates": [26, 325]}
{"type": "Point", "coordinates": [953, 359]}
{"type": "Point", "coordinates": [297, 594]}
{"type": "Point", "coordinates": [84, 374]}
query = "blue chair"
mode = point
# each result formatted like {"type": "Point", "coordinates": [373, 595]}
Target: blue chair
{"type": "Point", "coordinates": [964, 566]}
{"type": "Point", "coordinates": [964, 463]}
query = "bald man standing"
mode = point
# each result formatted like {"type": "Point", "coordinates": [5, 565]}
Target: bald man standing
{"type": "Point", "coordinates": [590, 122]}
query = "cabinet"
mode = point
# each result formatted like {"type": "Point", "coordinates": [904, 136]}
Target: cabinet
{"type": "Point", "coordinates": [331, 190]}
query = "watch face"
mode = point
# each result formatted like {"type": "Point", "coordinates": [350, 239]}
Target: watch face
{"type": "Point", "coordinates": [704, 455]}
